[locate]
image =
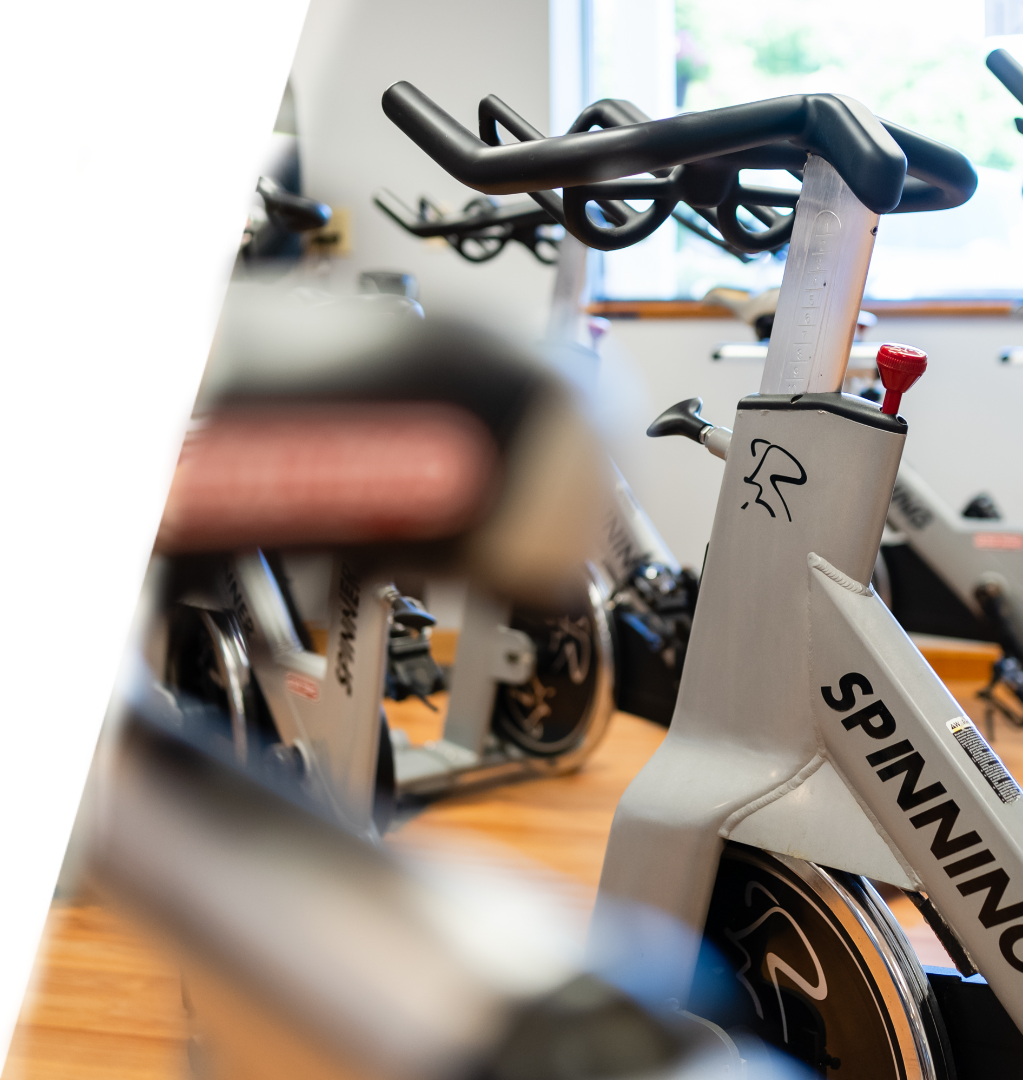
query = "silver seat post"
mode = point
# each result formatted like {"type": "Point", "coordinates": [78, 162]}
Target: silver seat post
{"type": "Point", "coordinates": [821, 292]}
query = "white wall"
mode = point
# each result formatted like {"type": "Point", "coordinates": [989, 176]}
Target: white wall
{"type": "Point", "coordinates": [965, 432]}
{"type": "Point", "coordinates": [456, 52]}
{"type": "Point", "coordinates": [965, 435]}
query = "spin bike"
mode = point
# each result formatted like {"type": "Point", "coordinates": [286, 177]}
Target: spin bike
{"type": "Point", "coordinates": [650, 597]}
{"type": "Point", "coordinates": [955, 575]}
{"type": "Point", "coordinates": [812, 746]}
{"type": "Point", "coordinates": [287, 637]}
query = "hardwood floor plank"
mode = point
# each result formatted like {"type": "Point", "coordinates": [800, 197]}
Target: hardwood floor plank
{"type": "Point", "coordinates": [103, 1002]}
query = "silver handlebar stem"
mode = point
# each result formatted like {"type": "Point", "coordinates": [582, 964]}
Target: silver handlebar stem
{"type": "Point", "coordinates": [821, 292]}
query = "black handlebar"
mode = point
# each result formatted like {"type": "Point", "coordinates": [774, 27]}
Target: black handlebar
{"type": "Point", "coordinates": [693, 157]}
{"type": "Point", "coordinates": [1007, 71]}
{"type": "Point", "coordinates": [482, 228]}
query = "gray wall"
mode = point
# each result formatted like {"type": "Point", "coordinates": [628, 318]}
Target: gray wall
{"type": "Point", "coordinates": [456, 52]}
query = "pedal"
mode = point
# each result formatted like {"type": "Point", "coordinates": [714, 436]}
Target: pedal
{"type": "Point", "coordinates": [653, 615]}
{"type": "Point", "coordinates": [411, 668]}
{"type": "Point", "coordinates": [408, 612]}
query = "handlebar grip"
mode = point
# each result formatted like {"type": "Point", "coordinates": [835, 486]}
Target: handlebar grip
{"type": "Point", "coordinates": [938, 178]}
{"type": "Point", "coordinates": [1008, 71]}
{"type": "Point", "coordinates": [397, 211]}
{"type": "Point", "coordinates": [609, 112]}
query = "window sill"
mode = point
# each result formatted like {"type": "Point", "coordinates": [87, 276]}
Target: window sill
{"type": "Point", "coordinates": [890, 309]}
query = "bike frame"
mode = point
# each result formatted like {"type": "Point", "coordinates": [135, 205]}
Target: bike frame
{"type": "Point", "coordinates": [802, 699]}
{"type": "Point", "coordinates": [967, 553]}
{"type": "Point", "coordinates": [490, 652]}
{"type": "Point", "coordinates": [630, 537]}
{"type": "Point", "coordinates": [327, 707]}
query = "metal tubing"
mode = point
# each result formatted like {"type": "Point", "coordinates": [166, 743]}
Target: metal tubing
{"type": "Point", "coordinates": [829, 255]}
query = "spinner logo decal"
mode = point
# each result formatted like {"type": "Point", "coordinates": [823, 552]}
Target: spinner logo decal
{"type": "Point", "coordinates": [787, 471]}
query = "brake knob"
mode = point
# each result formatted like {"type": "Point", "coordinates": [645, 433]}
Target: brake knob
{"type": "Point", "coordinates": [899, 366]}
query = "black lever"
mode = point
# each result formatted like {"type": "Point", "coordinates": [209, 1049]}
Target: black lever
{"type": "Point", "coordinates": [289, 212]}
{"type": "Point", "coordinates": [681, 419]}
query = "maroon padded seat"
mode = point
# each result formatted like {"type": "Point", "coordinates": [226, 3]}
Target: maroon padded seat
{"type": "Point", "coordinates": [324, 474]}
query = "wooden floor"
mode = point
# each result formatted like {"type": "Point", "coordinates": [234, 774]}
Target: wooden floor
{"type": "Point", "coordinates": [106, 1004]}
{"type": "Point", "coordinates": [103, 1005]}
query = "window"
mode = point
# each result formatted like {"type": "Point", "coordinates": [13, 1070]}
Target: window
{"type": "Point", "coordinates": [919, 63]}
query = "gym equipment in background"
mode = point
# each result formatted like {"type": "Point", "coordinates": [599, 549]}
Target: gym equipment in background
{"type": "Point", "coordinates": [649, 595]}
{"type": "Point", "coordinates": [284, 631]}
{"type": "Point", "coordinates": [272, 240]}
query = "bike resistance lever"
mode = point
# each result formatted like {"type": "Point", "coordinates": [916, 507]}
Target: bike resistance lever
{"type": "Point", "coordinates": [694, 157]}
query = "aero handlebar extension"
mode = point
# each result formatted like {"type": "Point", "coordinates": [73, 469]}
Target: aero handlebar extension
{"type": "Point", "coordinates": [694, 157]}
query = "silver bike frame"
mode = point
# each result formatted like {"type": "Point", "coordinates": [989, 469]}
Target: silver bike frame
{"type": "Point", "coordinates": [491, 653]}
{"type": "Point", "coordinates": [808, 724]}
{"type": "Point", "coordinates": [965, 552]}
{"type": "Point", "coordinates": [328, 707]}
{"type": "Point", "coordinates": [629, 537]}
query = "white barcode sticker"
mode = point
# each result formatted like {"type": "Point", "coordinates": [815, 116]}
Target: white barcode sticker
{"type": "Point", "coordinates": [965, 733]}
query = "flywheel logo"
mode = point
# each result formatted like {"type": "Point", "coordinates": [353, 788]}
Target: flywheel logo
{"type": "Point", "coordinates": [774, 466]}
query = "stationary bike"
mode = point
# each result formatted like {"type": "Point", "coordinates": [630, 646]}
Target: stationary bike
{"type": "Point", "coordinates": [650, 598]}
{"type": "Point", "coordinates": [289, 638]}
{"type": "Point", "coordinates": [760, 819]}
{"type": "Point", "coordinates": [955, 575]}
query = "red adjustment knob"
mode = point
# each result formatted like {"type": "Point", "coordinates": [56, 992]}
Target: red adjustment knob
{"type": "Point", "coordinates": [900, 366]}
